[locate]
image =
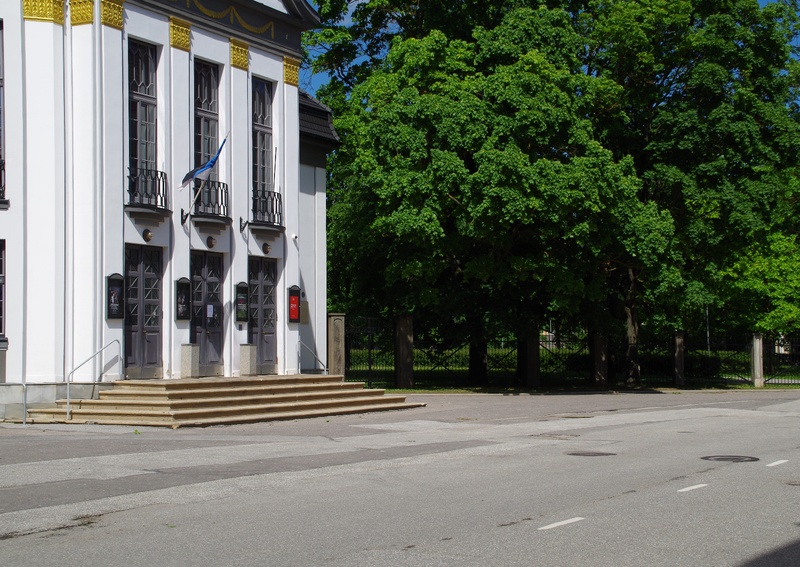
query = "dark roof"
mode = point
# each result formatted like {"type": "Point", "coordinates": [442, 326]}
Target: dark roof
{"type": "Point", "coordinates": [316, 120]}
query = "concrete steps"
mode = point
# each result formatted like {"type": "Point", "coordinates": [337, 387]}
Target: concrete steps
{"type": "Point", "coordinates": [217, 401]}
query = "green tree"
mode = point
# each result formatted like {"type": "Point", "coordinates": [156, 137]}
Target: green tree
{"type": "Point", "coordinates": [571, 159]}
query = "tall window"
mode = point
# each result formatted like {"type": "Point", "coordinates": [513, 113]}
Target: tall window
{"type": "Point", "coordinates": [206, 113]}
{"type": "Point", "coordinates": [2, 288]}
{"type": "Point", "coordinates": [266, 203]}
{"type": "Point", "coordinates": [262, 137]}
{"type": "Point", "coordinates": [147, 186]}
{"type": "Point", "coordinates": [142, 102]}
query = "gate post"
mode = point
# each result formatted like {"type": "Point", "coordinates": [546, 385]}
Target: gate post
{"type": "Point", "coordinates": [757, 361]}
{"type": "Point", "coordinates": [680, 359]}
{"type": "Point", "coordinates": [600, 365]}
{"type": "Point", "coordinates": [336, 344]}
{"type": "Point", "coordinates": [404, 352]}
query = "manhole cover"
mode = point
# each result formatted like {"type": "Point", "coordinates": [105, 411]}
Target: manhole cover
{"type": "Point", "coordinates": [731, 458]}
{"type": "Point", "coordinates": [590, 454]}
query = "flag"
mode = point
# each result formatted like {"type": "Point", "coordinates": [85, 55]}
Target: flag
{"type": "Point", "coordinates": [203, 171]}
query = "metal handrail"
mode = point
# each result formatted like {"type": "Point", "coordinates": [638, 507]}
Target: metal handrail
{"type": "Point", "coordinates": [69, 376]}
{"type": "Point", "coordinates": [300, 342]}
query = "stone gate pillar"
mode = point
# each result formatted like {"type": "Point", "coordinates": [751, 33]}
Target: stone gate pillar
{"type": "Point", "coordinates": [336, 343]}
{"type": "Point", "coordinates": [757, 361]}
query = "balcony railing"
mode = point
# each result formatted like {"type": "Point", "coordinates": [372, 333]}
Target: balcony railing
{"type": "Point", "coordinates": [2, 180]}
{"type": "Point", "coordinates": [148, 188]}
{"type": "Point", "coordinates": [267, 208]}
{"type": "Point", "coordinates": [212, 200]}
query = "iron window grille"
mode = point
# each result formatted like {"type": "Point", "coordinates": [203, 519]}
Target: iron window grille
{"type": "Point", "coordinates": [213, 198]}
{"type": "Point", "coordinates": [146, 185]}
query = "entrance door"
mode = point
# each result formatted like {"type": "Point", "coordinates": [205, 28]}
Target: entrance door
{"type": "Point", "coordinates": [262, 319]}
{"type": "Point", "coordinates": [143, 333]}
{"type": "Point", "coordinates": [207, 316]}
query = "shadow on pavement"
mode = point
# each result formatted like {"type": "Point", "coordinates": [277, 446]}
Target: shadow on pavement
{"type": "Point", "coordinates": [787, 556]}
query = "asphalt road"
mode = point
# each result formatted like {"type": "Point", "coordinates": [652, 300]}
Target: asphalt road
{"type": "Point", "coordinates": [650, 479]}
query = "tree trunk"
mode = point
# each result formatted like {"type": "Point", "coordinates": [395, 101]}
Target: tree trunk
{"type": "Point", "coordinates": [478, 361]}
{"type": "Point", "coordinates": [404, 352]}
{"type": "Point", "coordinates": [528, 359]}
{"type": "Point", "coordinates": [632, 322]}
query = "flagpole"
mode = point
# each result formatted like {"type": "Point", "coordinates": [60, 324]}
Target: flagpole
{"type": "Point", "coordinates": [209, 164]}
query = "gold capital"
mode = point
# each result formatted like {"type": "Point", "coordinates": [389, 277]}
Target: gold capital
{"type": "Point", "coordinates": [291, 71]}
{"type": "Point", "coordinates": [240, 54]}
{"type": "Point", "coordinates": [111, 13]}
{"type": "Point", "coordinates": [44, 10]}
{"type": "Point", "coordinates": [180, 34]}
{"type": "Point", "coordinates": [81, 12]}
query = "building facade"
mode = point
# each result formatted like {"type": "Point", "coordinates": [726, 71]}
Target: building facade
{"type": "Point", "coordinates": [105, 105]}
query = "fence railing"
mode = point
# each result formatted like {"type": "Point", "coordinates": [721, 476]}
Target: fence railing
{"type": "Point", "coordinates": [563, 361]}
{"type": "Point", "coordinates": [148, 188]}
{"type": "Point", "coordinates": [782, 360]}
{"type": "Point", "coordinates": [212, 199]}
{"type": "Point", "coordinates": [267, 208]}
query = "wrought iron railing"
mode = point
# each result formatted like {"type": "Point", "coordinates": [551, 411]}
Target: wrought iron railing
{"type": "Point", "coordinates": [212, 199]}
{"type": "Point", "coordinates": [2, 179]}
{"type": "Point", "coordinates": [267, 208]}
{"type": "Point", "coordinates": [147, 188]}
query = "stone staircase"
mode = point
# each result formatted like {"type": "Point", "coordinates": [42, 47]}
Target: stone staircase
{"type": "Point", "coordinates": [197, 402]}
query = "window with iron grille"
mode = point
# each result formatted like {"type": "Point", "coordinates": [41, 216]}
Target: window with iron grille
{"type": "Point", "coordinates": [265, 206]}
{"type": "Point", "coordinates": [206, 113]}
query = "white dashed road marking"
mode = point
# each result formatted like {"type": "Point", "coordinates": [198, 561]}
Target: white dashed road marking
{"type": "Point", "coordinates": [559, 524]}
{"type": "Point", "coordinates": [776, 463]}
{"type": "Point", "coordinates": [695, 487]}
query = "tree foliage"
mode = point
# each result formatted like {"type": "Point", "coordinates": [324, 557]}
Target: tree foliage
{"type": "Point", "coordinates": [596, 162]}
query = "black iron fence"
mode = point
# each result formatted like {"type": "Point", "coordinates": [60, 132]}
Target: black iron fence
{"type": "Point", "coordinates": [781, 360]}
{"type": "Point", "coordinates": [564, 361]}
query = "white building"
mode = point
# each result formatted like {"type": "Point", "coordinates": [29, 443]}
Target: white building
{"type": "Point", "coordinates": [105, 105]}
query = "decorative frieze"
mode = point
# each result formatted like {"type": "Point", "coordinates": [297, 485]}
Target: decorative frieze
{"type": "Point", "coordinates": [240, 54]}
{"type": "Point", "coordinates": [180, 34]}
{"type": "Point", "coordinates": [111, 13]}
{"type": "Point", "coordinates": [81, 12]}
{"type": "Point", "coordinates": [291, 71]}
{"type": "Point", "coordinates": [44, 10]}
